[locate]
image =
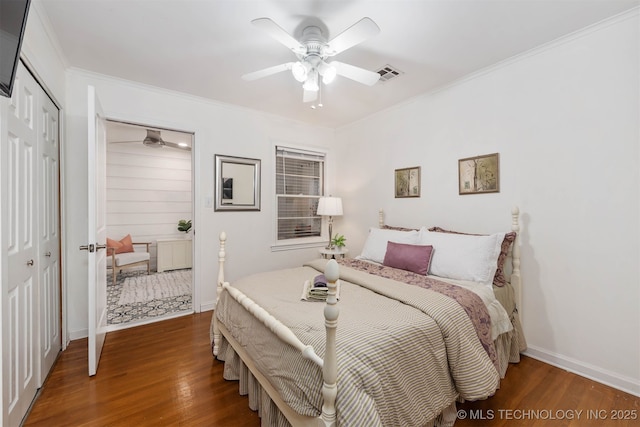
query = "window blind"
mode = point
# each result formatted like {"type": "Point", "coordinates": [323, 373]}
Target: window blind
{"type": "Point", "coordinates": [299, 185]}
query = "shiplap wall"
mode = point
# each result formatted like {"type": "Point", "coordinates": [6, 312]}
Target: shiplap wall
{"type": "Point", "coordinates": [148, 191]}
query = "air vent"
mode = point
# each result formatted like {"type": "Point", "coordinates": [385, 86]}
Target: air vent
{"type": "Point", "coordinates": [388, 72]}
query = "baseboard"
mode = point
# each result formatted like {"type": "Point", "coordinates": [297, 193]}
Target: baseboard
{"type": "Point", "coordinates": [208, 306]}
{"type": "Point", "coordinates": [617, 381]}
{"type": "Point", "coordinates": [76, 335]}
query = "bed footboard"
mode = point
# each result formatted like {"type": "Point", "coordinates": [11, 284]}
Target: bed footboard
{"type": "Point", "coordinates": [331, 311]}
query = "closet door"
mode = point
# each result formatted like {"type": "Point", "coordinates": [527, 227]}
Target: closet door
{"type": "Point", "coordinates": [49, 235]}
{"type": "Point", "coordinates": [20, 314]}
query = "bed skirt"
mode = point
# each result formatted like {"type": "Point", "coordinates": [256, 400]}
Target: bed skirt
{"type": "Point", "coordinates": [508, 348]}
{"type": "Point", "coordinates": [509, 345]}
{"type": "Point", "coordinates": [248, 385]}
{"type": "Point", "coordinates": [268, 411]}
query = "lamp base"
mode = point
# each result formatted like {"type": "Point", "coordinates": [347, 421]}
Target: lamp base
{"type": "Point", "coordinates": [330, 245]}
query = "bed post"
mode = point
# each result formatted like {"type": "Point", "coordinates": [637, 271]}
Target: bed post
{"type": "Point", "coordinates": [380, 218]}
{"type": "Point", "coordinates": [221, 259]}
{"type": "Point", "coordinates": [330, 365]}
{"type": "Point", "coordinates": [515, 258]}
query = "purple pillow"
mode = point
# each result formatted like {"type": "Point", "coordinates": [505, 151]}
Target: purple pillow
{"type": "Point", "coordinates": [414, 258]}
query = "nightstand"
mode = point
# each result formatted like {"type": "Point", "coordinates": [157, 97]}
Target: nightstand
{"type": "Point", "coordinates": [333, 253]}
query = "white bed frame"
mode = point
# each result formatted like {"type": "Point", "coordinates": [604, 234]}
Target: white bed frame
{"type": "Point", "coordinates": [331, 311]}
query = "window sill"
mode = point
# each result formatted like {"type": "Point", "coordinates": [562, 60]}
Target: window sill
{"type": "Point", "coordinates": [294, 246]}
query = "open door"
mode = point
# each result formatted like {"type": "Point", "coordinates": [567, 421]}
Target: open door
{"type": "Point", "coordinates": [97, 280]}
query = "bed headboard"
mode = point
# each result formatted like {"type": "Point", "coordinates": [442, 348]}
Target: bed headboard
{"type": "Point", "coordinates": [512, 265]}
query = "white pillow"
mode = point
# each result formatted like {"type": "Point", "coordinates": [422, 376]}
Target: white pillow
{"type": "Point", "coordinates": [375, 247]}
{"type": "Point", "coordinates": [463, 257]}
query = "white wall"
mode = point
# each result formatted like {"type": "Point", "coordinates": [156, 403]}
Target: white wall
{"type": "Point", "coordinates": [564, 119]}
{"type": "Point", "coordinates": [148, 191]}
{"type": "Point", "coordinates": [218, 129]}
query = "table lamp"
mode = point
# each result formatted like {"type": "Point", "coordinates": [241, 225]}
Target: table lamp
{"type": "Point", "coordinates": [330, 206]}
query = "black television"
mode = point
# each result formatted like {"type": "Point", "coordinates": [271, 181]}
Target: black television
{"type": "Point", "coordinates": [13, 21]}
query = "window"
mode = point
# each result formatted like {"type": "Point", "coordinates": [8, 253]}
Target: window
{"type": "Point", "coordinates": [299, 185]}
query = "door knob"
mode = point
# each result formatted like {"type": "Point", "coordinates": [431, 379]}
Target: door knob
{"type": "Point", "coordinates": [99, 246]}
{"type": "Point", "coordinates": [30, 262]}
{"type": "Point", "coordinates": [48, 254]}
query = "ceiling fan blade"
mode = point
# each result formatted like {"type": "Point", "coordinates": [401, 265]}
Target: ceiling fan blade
{"type": "Point", "coordinates": [178, 146]}
{"type": "Point", "coordinates": [357, 74]}
{"type": "Point", "coordinates": [357, 33]}
{"type": "Point", "coordinates": [309, 95]}
{"type": "Point", "coordinates": [267, 71]}
{"type": "Point", "coordinates": [279, 34]}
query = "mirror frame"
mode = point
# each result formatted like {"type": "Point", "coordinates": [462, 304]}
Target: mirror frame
{"type": "Point", "coordinates": [219, 161]}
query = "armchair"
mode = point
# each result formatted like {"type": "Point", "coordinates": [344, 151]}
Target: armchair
{"type": "Point", "coordinates": [121, 261]}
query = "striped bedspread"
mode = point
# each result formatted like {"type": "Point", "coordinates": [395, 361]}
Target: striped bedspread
{"type": "Point", "coordinates": [404, 353]}
{"type": "Point", "coordinates": [470, 302]}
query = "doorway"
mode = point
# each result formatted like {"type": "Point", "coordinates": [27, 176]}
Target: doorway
{"type": "Point", "coordinates": [149, 191]}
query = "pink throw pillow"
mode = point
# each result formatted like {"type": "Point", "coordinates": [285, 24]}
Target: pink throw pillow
{"type": "Point", "coordinates": [414, 258]}
{"type": "Point", "coordinates": [122, 246]}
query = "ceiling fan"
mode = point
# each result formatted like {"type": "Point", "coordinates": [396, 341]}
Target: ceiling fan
{"type": "Point", "coordinates": [154, 140]}
{"type": "Point", "coordinates": [313, 50]}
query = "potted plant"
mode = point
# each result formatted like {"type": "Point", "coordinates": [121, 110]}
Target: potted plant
{"type": "Point", "coordinates": [338, 241]}
{"type": "Point", "coordinates": [184, 225]}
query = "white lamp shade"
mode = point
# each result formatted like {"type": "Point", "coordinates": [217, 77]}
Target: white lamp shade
{"type": "Point", "coordinates": [299, 71]}
{"type": "Point", "coordinates": [330, 206]}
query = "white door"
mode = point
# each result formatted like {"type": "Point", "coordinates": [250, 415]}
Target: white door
{"type": "Point", "coordinates": [20, 314]}
{"type": "Point", "coordinates": [49, 235]}
{"type": "Point", "coordinates": [97, 279]}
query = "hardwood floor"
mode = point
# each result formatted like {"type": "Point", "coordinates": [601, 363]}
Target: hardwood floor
{"type": "Point", "coordinates": [163, 374]}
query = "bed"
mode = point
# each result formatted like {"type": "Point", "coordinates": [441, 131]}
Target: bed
{"type": "Point", "coordinates": [407, 346]}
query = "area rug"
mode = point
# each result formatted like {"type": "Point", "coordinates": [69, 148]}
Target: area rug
{"type": "Point", "coordinates": [140, 303]}
{"type": "Point", "coordinates": [157, 286]}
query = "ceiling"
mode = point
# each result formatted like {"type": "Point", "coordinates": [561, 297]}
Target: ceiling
{"type": "Point", "coordinates": [203, 47]}
{"type": "Point", "coordinates": [119, 132]}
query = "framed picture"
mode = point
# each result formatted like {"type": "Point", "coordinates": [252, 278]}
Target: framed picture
{"type": "Point", "coordinates": [408, 182]}
{"type": "Point", "coordinates": [480, 174]}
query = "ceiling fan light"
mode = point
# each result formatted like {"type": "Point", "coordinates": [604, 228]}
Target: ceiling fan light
{"type": "Point", "coordinates": [311, 83]}
{"type": "Point", "coordinates": [299, 71]}
{"type": "Point", "coordinates": [328, 72]}
{"type": "Point", "coordinates": [329, 76]}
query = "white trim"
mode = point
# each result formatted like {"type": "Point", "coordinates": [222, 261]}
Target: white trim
{"type": "Point", "coordinates": [603, 376]}
{"type": "Point", "coordinates": [208, 306]}
{"type": "Point", "coordinates": [293, 246]}
{"type": "Point", "coordinates": [79, 334]}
